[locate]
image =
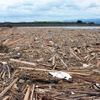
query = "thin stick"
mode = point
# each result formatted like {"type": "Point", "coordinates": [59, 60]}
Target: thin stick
{"type": "Point", "coordinates": [40, 60]}
{"type": "Point", "coordinates": [2, 73]}
{"type": "Point", "coordinates": [27, 68]}
{"type": "Point", "coordinates": [53, 60]}
{"type": "Point", "coordinates": [27, 93]}
{"type": "Point", "coordinates": [24, 62]}
{"type": "Point", "coordinates": [32, 94]}
{"type": "Point", "coordinates": [74, 54]}
{"type": "Point", "coordinates": [62, 61]}
{"type": "Point", "coordinates": [93, 49]}
{"type": "Point", "coordinates": [77, 96]}
{"type": "Point", "coordinates": [85, 79]}
{"type": "Point", "coordinates": [25, 88]}
{"type": "Point", "coordinates": [9, 71]}
{"type": "Point", "coordinates": [7, 88]}
{"type": "Point", "coordinates": [36, 96]}
{"type": "Point", "coordinates": [14, 42]}
{"type": "Point", "coordinates": [54, 67]}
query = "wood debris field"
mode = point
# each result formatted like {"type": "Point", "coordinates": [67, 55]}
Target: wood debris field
{"type": "Point", "coordinates": [32, 58]}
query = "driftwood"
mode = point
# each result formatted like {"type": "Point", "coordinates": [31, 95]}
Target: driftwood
{"type": "Point", "coordinates": [53, 60]}
{"type": "Point", "coordinates": [85, 79]}
{"type": "Point", "coordinates": [32, 92]}
{"type": "Point", "coordinates": [9, 74]}
{"type": "Point", "coordinates": [5, 42]}
{"type": "Point", "coordinates": [27, 93]}
{"type": "Point", "coordinates": [71, 50]}
{"type": "Point", "coordinates": [6, 98]}
{"type": "Point", "coordinates": [87, 92]}
{"type": "Point", "coordinates": [2, 54]}
{"type": "Point", "coordinates": [93, 49]}
{"type": "Point", "coordinates": [69, 72]}
{"type": "Point", "coordinates": [62, 61]}
{"type": "Point", "coordinates": [78, 96]}
{"type": "Point", "coordinates": [40, 60]}
{"type": "Point", "coordinates": [7, 88]}
{"type": "Point", "coordinates": [29, 68]}
{"type": "Point", "coordinates": [14, 42]}
{"type": "Point", "coordinates": [54, 67]}
{"type": "Point", "coordinates": [45, 56]}
{"type": "Point", "coordinates": [23, 62]}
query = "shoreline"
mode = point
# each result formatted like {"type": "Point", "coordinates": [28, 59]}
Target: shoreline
{"type": "Point", "coordinates": [66, 27]}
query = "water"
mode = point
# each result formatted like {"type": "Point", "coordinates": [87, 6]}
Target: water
{"type": "Point", "coordinates": [68, 27]}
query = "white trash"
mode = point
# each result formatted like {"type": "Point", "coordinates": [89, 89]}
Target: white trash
{"type": "Point", "coordinates": [4, 63]}
{"type": "Point", "coordinates": [60, 75]}
{"type": "Point", "coordinates": [85, 65]}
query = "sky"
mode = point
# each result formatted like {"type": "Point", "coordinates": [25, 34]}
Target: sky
{"type": "Point", "coordinates": [48, 10]}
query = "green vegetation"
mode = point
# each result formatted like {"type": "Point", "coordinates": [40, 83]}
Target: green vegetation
{"type": "Point", "coordinates": [46, 23]}
{"type": "Point", "coordinates": [91, 23]}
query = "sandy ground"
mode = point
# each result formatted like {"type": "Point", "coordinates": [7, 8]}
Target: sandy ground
{"type": "Point", "coordinates": [76, 51]}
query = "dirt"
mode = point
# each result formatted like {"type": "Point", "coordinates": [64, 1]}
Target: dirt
{"type": "Point", "coordinates": [29, 54]}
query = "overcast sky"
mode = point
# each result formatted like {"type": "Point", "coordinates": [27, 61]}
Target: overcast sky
{"type": "Point", "coordinates": [48, 10]}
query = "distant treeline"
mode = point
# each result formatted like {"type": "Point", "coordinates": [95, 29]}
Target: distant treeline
{"type": "Point", "coordinates": [46, 23]}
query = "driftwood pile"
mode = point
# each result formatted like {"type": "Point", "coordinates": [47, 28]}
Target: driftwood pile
{"type": "Point", "coordinates": [28, 56]}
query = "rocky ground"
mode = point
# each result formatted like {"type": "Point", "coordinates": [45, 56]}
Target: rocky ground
{"type": "Point", "coordinates": [49, 64]}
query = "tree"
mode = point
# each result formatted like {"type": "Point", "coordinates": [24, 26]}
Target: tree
{"type": "Point", "coordinates": [79, 22]}
{"type": "Point", "coordinates": [91, 23]}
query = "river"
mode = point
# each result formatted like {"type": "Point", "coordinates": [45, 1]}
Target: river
{"type": "Point", "coordinates": [68, 27]}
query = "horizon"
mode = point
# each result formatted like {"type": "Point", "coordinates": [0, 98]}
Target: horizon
{"type": "Point", "coordinates": [50, 10]}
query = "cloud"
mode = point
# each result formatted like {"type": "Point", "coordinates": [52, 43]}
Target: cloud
{"type": "Point", "coordinates": [93, 4]}
{"type": "Point", "coordinates": [49, 9]}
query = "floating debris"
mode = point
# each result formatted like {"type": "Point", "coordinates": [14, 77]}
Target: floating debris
{"type": "Point", "coordinates": [51, 64]}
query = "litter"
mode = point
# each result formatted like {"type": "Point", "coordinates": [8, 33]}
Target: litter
{"type": "Point", "coordinates": [51, 64]}
{"type": "Point", "coordinates": [60, 75]}
{"type": "Point", "coordinates": [85, 65]}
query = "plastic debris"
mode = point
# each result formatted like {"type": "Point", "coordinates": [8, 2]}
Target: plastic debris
{"type": "Point", "coordinates": [17, 48]}
{"type": "Point", "coordinates": [18, 53]}
{"type": "Point", "coordinates": [16, 57]}
{"type": "Point", "coordinates": [60, 75]}
{"type": "Point", "coordinates": [4, 63]}
{"type": "Point", "coordinates": [85, 65]}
